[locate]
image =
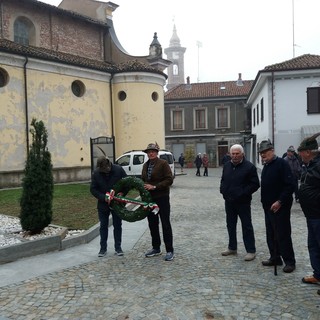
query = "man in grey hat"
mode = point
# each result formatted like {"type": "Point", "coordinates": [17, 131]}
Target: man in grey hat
{"type": "Point", "coordinates": [277, 186]}
{"type": "Point", "coordinates": [103, 179]}
{"type": "Point", "coordinates": [309, 195]}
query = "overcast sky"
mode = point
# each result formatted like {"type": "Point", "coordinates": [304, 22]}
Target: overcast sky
{"type": "Point", "coordinates": [237, 36]}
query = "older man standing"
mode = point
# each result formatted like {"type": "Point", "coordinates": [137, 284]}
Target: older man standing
{"type": "Point", "coordinates": [277, 186]}
{"type": "Point", "coordinates": [238, 182]}
{"type": "Point", "coordinates": [309, 193]}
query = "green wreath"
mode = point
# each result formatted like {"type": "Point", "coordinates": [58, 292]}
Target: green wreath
{"type": "Point", "coordinates": [119, 202]}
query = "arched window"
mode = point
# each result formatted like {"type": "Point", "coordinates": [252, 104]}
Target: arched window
{"type": "Point", "coordinates": [175, 70]}
{"type": "Point", "coordinates": [24, 31]}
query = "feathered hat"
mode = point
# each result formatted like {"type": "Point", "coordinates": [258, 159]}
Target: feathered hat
{"type": "Point", "coordinates": [309, 143]}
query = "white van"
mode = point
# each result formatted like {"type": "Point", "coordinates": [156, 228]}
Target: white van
{"type": "Point", "coordinates": [132, 161]}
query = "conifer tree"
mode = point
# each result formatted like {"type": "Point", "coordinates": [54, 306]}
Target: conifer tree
{"type": "Point", "coordinates": [37, 184]}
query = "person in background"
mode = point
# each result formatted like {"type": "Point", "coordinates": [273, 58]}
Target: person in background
{"type": "Point", "coordinates": [103, 179]}
{"type": "Point", "coordinates": [226, 158]}
{"type": "Point", "coordinates": [198, 163]}
{"type": "Point", "coordinates": [296, 169]}
{"type": "Point", "coordinates": [238, 182]}
{"type": "Point", "coordinates": [277, 186]}
{"type": "Point", "coordinates": [205, 163]}
{"type": "Point", "coordinates": [309, 195]}
{"type": "Point", "coordinates": [157, 177]}
{"type": "Point", "coordinates": [181, 161]}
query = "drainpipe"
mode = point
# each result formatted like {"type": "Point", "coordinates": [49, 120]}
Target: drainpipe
{"type": "Point", "coordinates": [26, 103]}
{"type": "Point", "coordinates": [272, 106]}
{"type": "Point", "coordinates": [112, 113]}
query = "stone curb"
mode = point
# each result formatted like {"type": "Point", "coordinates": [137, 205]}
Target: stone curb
{"type": "Point", "coordinates": [47, 244]}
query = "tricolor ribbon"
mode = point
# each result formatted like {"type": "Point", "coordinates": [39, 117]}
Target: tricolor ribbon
{"type": "Point", "coordinates": [110, 196]}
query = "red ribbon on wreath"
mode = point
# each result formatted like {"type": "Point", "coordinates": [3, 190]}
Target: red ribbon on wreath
{"type": "Point", "coordinates": [110, 196]}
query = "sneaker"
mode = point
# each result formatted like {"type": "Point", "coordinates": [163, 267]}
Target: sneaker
{"type": "Point", "coordinates": [310, 280]}
{"type": "Point", "coordinates": [169, 256]}
{"type": "Point", "coordinates": [153, 252]}
{"type": "Point", "coordinates": [119, 252]}
{"type": "Point", "coordinates": [249, 256]}
{"type": "Point", "coordinates": [102, 253]}
{"type": "Point", "coordinates": [229, 252]}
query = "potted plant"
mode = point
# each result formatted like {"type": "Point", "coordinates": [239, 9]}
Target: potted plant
{"type": "Point", "coordinates": [189, 157]}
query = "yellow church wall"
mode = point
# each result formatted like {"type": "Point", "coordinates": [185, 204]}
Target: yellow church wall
{"type": "Point", "coordinates": [70, 120]}
{"type": "Point", "coordinates": [138, 100]}
{"type": "Point", "coordinates": [12, 115]}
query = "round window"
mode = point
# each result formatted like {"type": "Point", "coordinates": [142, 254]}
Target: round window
{"type": "Point", "coordinates": [155, 96]}
{"type": "Point", "coordinates": [122, 96]}
{"type": "Point", "coordinates": [78, 88]}
{"type": "Point", "coordinates": [4, 77]}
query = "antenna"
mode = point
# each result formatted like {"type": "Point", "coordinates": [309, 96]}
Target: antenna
{"type": "Point", "coordinates": [293, 44]}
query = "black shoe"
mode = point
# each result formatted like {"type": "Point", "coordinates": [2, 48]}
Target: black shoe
{"type": "Point", "coordinates": [289, 268]}
{"type": "Point", "coordinates": [153, 252]}
{"type": "Point", "coordinates": [269, 263]}
{"type": "Point", "coordinates": [102, 253]}
{"type": "Point", "coordinates": [119, 252]}
{"type": "Point", "coordinates": [318, 291]}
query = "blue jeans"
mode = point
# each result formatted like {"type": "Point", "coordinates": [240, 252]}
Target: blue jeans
{"type": "Point", "coordinates": [104, 225]}
{"type": "Point", "coordinates": [243, 210]}
{"type": "Point", "coordinates": [314, 245]}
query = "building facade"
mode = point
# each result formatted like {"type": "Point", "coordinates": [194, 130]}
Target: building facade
{"type": "Point", "coordinates": [70, 71]}
{"type": "Point", "coordinates": [207, 118]}
{"type": "Point", "coordinates": [285, 104]}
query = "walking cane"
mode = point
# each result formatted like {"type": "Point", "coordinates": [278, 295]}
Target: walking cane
{"type": "Point", "coordinates": [275, 241]}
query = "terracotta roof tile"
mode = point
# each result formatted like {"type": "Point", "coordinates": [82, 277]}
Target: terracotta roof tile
{"type": "Point", "coordinates": [209, 90]}
{"type": "Point", "coordinates": [306, 61]}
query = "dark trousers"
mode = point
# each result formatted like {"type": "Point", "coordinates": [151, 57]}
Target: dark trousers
{"type": "Point", "coordinates": [279, 244]}
{"type": "Point", "coordinates": [314, 245]}
{"type": "Point", "coordinates": [153, 220]}
{"type": "Point", "coordinates": [205, 172]}
{"type": "Point", "coordinates": [296, 188]}
{"type": "Point", "coordinates": [243, 211]}
{"type": "Point", "coordinates": [198, 171]}
{"type": "Point", "coordinates": [104, 226]}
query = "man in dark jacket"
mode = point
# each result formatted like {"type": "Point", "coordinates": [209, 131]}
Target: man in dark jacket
{"type": "Point", "coordinates": [157, 177]}
{"type": "Point", "coordinates": [103, 179]}
{"type": "Point", "coordinates": [238, 182]}
{"type": "Point", "coordinates": [309, 195]}
{"type": "Point", "coordinates": [277, 186]}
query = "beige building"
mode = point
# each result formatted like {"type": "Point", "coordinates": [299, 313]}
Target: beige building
{"type": "Point", "coordinates": [69, 70]}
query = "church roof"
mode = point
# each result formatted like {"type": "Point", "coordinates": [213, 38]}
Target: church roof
{"type": "Point", "coordinates": [209, 90]}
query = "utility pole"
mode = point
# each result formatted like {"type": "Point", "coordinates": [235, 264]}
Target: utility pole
{"type": "Point", "coordinates": [199, 45]}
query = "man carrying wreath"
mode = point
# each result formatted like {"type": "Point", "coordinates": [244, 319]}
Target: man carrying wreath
{"type": "Point", "coordinates": [103, 179]}
{"type": "Point", "coordinates": [157, 177]}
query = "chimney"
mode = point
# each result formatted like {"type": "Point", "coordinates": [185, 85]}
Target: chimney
{"type": "Point", "coordinates": [188, 80]}
{"type": "Point", "coordinates": [239, 81]}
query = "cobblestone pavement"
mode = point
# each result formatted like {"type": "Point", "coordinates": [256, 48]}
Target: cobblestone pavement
{"type": "Point", "coordinates": [198, 284]}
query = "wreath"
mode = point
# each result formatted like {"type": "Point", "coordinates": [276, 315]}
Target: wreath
{"type": "Point", "coordinates": [129, 209]}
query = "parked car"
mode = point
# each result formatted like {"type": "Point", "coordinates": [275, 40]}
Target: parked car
{"type": "Point", "coordinates": [132, 161]}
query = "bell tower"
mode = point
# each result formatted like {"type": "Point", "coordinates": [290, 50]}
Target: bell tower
{"type": "Point", "coordinates": [175, 53]}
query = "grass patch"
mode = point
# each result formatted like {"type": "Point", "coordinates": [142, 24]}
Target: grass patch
{"type": "Point", "coordinates": [73, 206]}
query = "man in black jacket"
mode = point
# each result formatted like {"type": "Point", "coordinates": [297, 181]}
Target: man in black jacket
{"type": "Point", "coordinates": [238, 182]}
{"type": "Point", "coordinates": [103, 179]}
{"type": "Point", "coordinates": [309, 192]}
{"type": "Point", "coordinates": [277, 186]}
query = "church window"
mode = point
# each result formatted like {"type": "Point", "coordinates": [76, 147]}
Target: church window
{"type": "Point", "coordinates": [4, 78]}
{"type": "Point", "coordinates": [175, 70]}
{"type": "Point", "coordinates": [24, 31]}
{"type": "Point", "coordinates": [78, 88]}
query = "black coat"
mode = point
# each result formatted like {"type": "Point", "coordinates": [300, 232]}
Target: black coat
{"type": "Point", "coordinates": [101, 183]}
{"type": "Point", "coordinates": [309, 191]}
{"type": "Point", "coordinates": [239, 182]}
{"type": "Point", "coordinates": [277, 183]}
